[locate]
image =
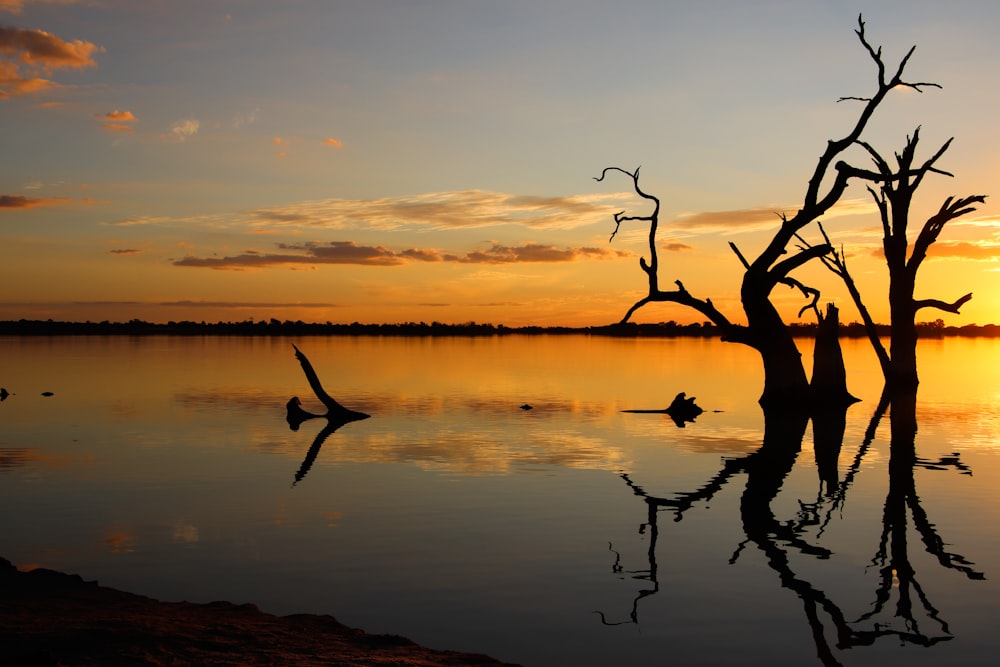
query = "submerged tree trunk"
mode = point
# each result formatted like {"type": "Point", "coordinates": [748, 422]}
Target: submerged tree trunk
{"type": "Point", "coordinates": [785, 383]}
{"type": "Point", "coordinates": [894, 198]}
{"type": "Point", "coordinates": [829, 377]}
{"type": "Point", "coordinates": [902, 375]}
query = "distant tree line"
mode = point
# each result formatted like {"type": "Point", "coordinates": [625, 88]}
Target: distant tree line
{"type": "Point", "coordinates": [275, 327]}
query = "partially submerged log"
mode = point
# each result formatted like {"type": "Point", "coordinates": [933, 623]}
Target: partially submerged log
{"type": "Point", "coordinates": [335, 412]}
{"type": "Point", "coordinates": [682, 410]}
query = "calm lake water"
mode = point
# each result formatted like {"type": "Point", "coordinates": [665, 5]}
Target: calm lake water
{"type": "Point", "coordinates": [570, 534]}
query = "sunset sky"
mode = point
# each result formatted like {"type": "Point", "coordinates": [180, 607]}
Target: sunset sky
{"type": "Point", "coordinates": [377, 161]}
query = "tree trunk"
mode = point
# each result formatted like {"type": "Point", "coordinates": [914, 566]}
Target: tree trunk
{"type": "Point", "coordinates": [829, 376]}
{"type": "Point", "coordinates": [903, 337]}
{"type": "Point", "coordinates": [785, 384]}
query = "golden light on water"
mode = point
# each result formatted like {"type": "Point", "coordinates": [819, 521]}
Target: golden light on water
{"type": "Point", "coordinates": [453, 496]}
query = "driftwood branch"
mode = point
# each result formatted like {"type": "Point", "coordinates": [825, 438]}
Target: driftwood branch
{"type": "Point", "coordinates": [335, 412]}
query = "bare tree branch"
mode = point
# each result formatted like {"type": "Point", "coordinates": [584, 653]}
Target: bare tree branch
{"type": "Point", "coordinates": [837, 263]}
{"type": "Point", "coordinates": [876, 55]}
{"type": "Point", "coordinates": [680, 296]}
{"type": "Point", "coordinates": [952, 307]}
{"type": "Point", "coordinates": [781, 270]}
{"type": "Point", "coordinates": [743, 260]}
{"type": "Point", "coordinates": [893, 198]}
{"type": "Point", "coordinates": [765, 330]}
{"type": "Point", "coordinates": [951, 208]}
{"type": "Point", "coordinates": [618, 223]}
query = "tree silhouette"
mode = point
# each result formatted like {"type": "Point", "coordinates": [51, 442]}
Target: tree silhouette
{"type": "Point", "coordinates": [894, 198]}
{"type": "Point", "coordinates": [765, 331]}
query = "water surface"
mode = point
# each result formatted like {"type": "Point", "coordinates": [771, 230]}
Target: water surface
{"type": "Point", "coordinates": [569, 534]}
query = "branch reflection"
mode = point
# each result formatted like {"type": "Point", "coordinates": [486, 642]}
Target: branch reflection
{"type": "Point", "coordinates": [317, 444]}
{"type": "Point", "coordinates": [912, 618]}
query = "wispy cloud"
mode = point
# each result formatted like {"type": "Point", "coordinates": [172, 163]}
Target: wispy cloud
{"type": "Point", "coordinates": [245, 304]}
{"type": "Point", "coordinates": [246, 119]}
{"type": "Point", "coordinates": [989, 221]}
{"type": "Point", "coordinates": [536, 252]}
{"type": "Point", "coordinates": [465, 209]}
{"type": "Point", "coordinates": [468, 209]}
{"type": "Point", "coordinates": [125, 251]}
{"type": "Point", "coordinates": [336, 143]}
{"type": "Point", "coordinates": [182, 130]}
{"type": "Point", "coordinates": [983, 252]}
{"type": "Point", "coordinates": [27, 58]}
{"type": "Point", "coordinates": [348, 252]}
{"type": "Point", "coordinates": [141, 221]}
{"type": "Point", "coordinates": [760, 218]}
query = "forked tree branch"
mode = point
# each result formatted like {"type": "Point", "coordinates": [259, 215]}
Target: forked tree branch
{"type": "Point", "coordinates": [952, 307]}
{"type": "Point", "coordinates": [816, 204]}
{"type": "Point", "coordinates": [679, 296]}
{"type": "Point", "coordinates": [652, 267]}
{"type": "Point", "coordinates": [951, 208]}
{"type": "Point", "coordinates": [836, 262]}
{"type": "Point", "coordinates": [733, 333]}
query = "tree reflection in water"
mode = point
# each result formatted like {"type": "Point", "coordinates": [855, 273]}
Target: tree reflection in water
{"type": "Point", "coordinates": [914, 619]}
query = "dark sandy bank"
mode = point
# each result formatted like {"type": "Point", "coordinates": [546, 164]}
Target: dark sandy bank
{"type": "Point", "coordinates": [51, 618]}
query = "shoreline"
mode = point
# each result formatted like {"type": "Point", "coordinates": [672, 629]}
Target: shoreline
{"type": "Point", "coordinates": [276, 328]}
{"type": "Point", "coordinates": [55, 619]}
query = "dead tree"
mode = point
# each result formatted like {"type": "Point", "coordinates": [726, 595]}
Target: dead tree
{"type": "Point", "coordinates": [894, 198]}
{"type": "Point", "coordinates": [785, 382]}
